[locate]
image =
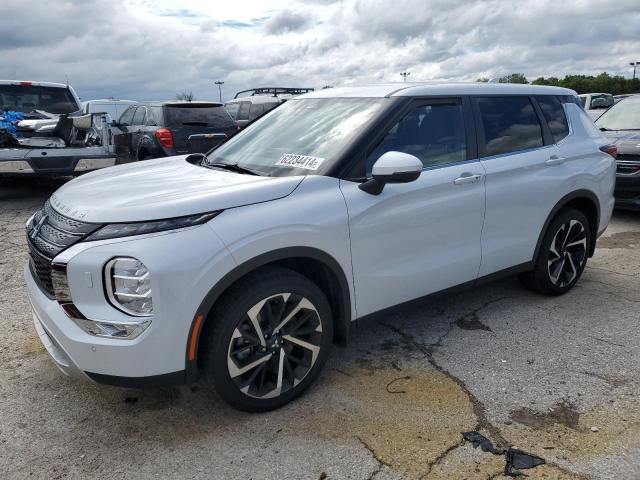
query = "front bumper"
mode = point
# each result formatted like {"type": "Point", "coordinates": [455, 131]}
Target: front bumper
{"type": "Point", "coordinates": [62, 164]}
{"type": "Point", "coordinates": [627, 192]}
{"type": "Point", "coordinates": [182, 273]}
{"type": "Point", "coordinates": [80, 355]}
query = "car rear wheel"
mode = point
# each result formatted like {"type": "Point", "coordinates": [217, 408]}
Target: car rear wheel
{"type": "Point", "coordinates": [562, 256]}
{"type": "Point", "coordinates": [270, 341]}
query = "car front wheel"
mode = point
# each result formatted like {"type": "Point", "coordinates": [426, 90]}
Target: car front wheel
{"type": "Point", "coordinates": [562, 256]}
{"type": "Point", "coordinates": [271, 338]}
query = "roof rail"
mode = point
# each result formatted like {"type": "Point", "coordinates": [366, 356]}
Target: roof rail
{"type": "Point", "coordinates": [274, 91]}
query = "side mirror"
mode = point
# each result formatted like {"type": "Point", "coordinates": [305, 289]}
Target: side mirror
{"type": "Point", "coordinates": [114, 123]}
{"type": "Point", "coordinates": [392, 167]}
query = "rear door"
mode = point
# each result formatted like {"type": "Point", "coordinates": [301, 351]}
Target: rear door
{"type": "Point", "coordinates": [518, 152]}
{"type": "Point", "coordinates": [417, 238]}
{"type": "Point", "coordinates": [122, 136]}
{"type": "Point", "coordinates": [207, 124]}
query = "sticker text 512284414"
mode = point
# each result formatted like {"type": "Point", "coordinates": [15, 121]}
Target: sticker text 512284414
{"type": "Point", "coordinates": [300, 161]}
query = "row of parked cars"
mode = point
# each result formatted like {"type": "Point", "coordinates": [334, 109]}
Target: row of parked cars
{"type": "Point", "coordinates": [46, 130]}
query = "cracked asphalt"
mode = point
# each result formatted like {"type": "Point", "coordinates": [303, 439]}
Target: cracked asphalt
{"type": "Point", "coordinates": [556, 377]}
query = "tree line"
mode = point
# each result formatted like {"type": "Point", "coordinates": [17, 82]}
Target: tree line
{"type": "Point", "coordinates": [602, 83]}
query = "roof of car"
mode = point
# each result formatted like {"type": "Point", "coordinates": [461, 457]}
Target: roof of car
{"type": "Point", "coordinates": [178, 103]}
{"type": "Point", "coordinates": [109, 100]}
{"type": "Point", "coordinates": [437, 89]}
{"type": "Point", "coordinates": [259, 99]}
{"type": "Point", "coordinates": [29, 82]}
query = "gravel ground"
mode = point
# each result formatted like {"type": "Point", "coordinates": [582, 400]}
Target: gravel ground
{"type": "Point", "coordinates": [556, 377]}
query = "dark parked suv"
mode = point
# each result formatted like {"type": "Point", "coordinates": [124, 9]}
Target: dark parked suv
{"type": "Point", "coordinates": [163, 129]}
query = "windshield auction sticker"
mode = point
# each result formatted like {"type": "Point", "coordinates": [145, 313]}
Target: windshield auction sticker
{"type": "Point", "coordinates": [300, 161]}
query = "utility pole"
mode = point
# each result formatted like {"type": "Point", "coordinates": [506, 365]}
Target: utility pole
{"type": "Point", "coordinates": [405, 75]}
{"type": "Point", "coordinates": [220, 83]}
{"type": "Point", "coordinates": [634, 65]}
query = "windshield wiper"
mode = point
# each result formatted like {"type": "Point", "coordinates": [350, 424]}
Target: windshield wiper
{"type": "Point", "coordinates": [605, 129]}
{"type": "Point", "coordinates": [233, 167]}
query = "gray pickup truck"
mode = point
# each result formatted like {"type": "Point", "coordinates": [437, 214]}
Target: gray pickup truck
{"type": "Point", "coordinates": [44, 132]}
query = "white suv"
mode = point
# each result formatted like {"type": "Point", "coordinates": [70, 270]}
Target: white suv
{"type": "Point", "coordinates": [245, 265]}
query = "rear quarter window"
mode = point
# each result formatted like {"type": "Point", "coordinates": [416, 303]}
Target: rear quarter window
{"type": "Point", "coordinates": [205, 116]}
{"type": "Point", "coordinates": [553, 113]}
{"type": "Point", "coordinates": [510, 124]}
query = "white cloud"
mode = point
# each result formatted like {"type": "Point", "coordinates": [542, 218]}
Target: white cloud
{"type": "Point", "coordinates": [144, 49]}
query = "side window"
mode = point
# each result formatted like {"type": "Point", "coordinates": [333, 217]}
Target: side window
{"type": "Point", "coordinates": [127, 116]}
{"type": "Point", "coordinates": [233, 108]}
{"type": "Point", "coordinates": [243, 113]}
{"type": "Point", "coordinates": [433, 133]}
{"type": "Point", "coordinates": [256, 110]}
{"type": "Point", "coordinates": [583, 101]}
{"type": "Point", "coordinates": [554, 115]}
{"type": "Point", "coordinates": [510, 124]}
{"type": "Point", "coordinates": [138, 118]}
{"type": "Point", "coordinates": [154, 116]}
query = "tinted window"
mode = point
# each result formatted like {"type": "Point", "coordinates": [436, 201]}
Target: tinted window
{"type": "Point", "coordinates": [583, 101]}
{"type": "Point", "coordinates": [554, 115]}
{"type": "Point", "coordinates": [433, 133]}
{"type": "Point", "coordinates": [233, 109]}
{"type": "Point", "coordinates": [243, 114]}
{"type": "Point", "coordinates": [26, 98]}
{"type": "Point", "coordinates": [510, 124]}
{"type": "Point", "coordinates": [202, 115]}
{"type": "Point", "coordinates": [154, 115]}
{"type": "Point", "coordinates": [601, 101]}
{"type": "Point", "coordinates": [138, 118]}
{"type": "Point", "coordinates": [256, 110]}
{"type": "Point", "coordinates": [127, 116]}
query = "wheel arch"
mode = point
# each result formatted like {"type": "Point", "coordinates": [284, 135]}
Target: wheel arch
{"type": "Point", "coordinates": [320, 267]}
{"type": "Point", "coordinates": [584, 200]}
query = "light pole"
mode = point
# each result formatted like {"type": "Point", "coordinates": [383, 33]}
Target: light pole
{"type": "Point", "coordinates": [405, 75]}
{"type": "Point", "coordinates": [220, 83]}
{"type": "Point", "coordinates": [634, 65]}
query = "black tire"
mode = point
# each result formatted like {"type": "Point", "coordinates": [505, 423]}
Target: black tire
{"type": "Point", "coordinates": [144, 156]}
{"type": "Point", "coordinates": [558, 269]}
{"type": "Point", "coordinates": [289, 362]}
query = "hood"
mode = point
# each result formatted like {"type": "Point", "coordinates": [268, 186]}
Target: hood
{"type": "Point", "coordinates": [628, 142]}
{"type": "Point", "coordinates": [164, 188]}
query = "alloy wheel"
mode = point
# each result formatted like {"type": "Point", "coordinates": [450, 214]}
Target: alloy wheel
{"type": "Point", "coordinates": [567, 253]}
{"type": "Point", "coordinates": [275, 345]}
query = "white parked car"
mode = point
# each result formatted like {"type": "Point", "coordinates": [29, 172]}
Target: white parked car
{"type": "Point", "coordinates": [595, 104]}
{"type": "Point", "coordinates": [248, 105]}
{"type": "Point", "coordinates": [113, 107]}
{"type": "Point", "coordinates": [244, 266]}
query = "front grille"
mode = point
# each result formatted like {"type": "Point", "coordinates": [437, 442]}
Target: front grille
{"type": "Point", "coordinates": [41, 269]}
{"type": "Point", "coordinates": [628, 164]}
{"type": "Point", "coordinates": [48, 234]}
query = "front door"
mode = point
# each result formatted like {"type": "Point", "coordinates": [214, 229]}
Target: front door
{"type": "Point", "coordinates": [420, 237]}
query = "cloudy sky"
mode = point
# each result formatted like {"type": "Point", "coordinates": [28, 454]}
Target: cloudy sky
{"type": "Point", "coordinates": [152, 49]}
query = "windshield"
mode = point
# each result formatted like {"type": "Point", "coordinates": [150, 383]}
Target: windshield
{"type": "Point", "coordinates": [624, 115]}
{"type": "Point", "coordinates": [301, 137]}
{"type": "Point", "coordinates": [27, 98]}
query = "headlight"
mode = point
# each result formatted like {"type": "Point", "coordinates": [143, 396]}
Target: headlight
{"type": "Point", "coordinates": [128, 286]}
{"type": "Point", "coordinates": [115, 230]}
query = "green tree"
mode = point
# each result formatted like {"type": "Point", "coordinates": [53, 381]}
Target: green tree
{"type": "Point", "coordinates": [514, 78]}
{"type": "Point", "coordinates": [185, 96]}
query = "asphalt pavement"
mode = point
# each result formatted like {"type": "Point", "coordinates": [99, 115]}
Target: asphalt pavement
{"type": "Point", "coordinates": [555, 377]}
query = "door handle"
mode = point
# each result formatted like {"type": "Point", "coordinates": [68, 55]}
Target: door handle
{"type": "Point", "coordinates": [467, 177]}
{"type": "Point", "coordinates": [554, 160]}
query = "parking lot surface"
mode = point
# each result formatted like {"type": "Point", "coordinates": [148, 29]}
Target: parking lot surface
{"type": "Point", "coordinates": [556, 377]}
